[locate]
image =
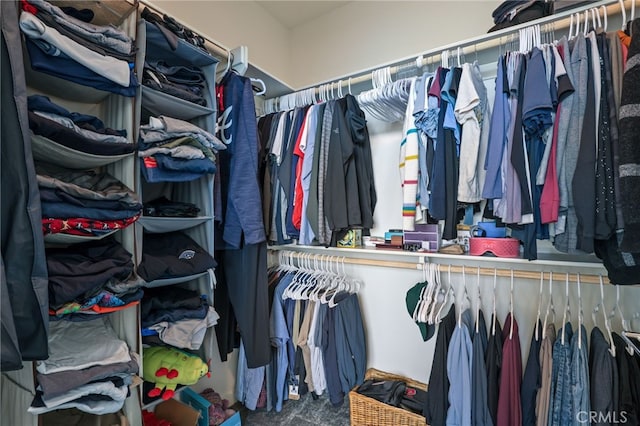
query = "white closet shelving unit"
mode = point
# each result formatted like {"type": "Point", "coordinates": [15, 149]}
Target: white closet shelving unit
{"type": "Point", "coordinates": [116, 112]}
{"type": "Point", "coordinates": [152, 45]}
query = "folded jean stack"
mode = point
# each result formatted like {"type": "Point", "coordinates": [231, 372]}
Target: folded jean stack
{"type": "Point", "coordinates": [176, 316]}
{"type": "Point", "coordinates": [85, 204]}
{"type": "Point", "coordinates": [101, 57]}
{"type": "Point", "coordinates": [72, 139]}
{"type": "Point", "coordinates": [88, 368]}
{"type": "Point", "coordinates": [89, 280]}
{"type": "Point", "coordinates": [174, 150]}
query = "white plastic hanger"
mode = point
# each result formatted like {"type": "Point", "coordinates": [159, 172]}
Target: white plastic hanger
{"type": "Point", "coordinates": [448, 295]}
{"type": "Point", "coordinates": [605, 17]}
{"type": "Point", "coordinates": [263, 87]}
{"type": "Point", "coordinates": [479, 305]}
{"type": "Point", "coordinates": [595, 19]}
{"type": "Point", "coordinates": [567, 307]}
{"type": "Point", "coordinates": [422, 299]}
{"type": "Point", "coordinates": [441, 297]}
{"type": "Point", "coordinates": [464, 297]}
{"type": "Point", "coordinates": [600, 306]}
{"type": "Point", "coordinates": [537, 329]}
{"type": "Point", "coordinates": [493, 314]}
{"type": "Point", "coordinates": [632, 337]}
{"type": "Point", "coordinates": [550, 308]}
{"type": "Point", "coordinates": [429, 291]}
{"type": "Point", "coordinates": [511, 307]}
{"type": "Point", "coordinates": [580, 313]}
{"type": "Point", "coordinates": [624, 15]}
{"type": "Point", "coordinates": [623, 321]}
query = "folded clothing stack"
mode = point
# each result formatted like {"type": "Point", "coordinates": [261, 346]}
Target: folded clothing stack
{"type": "Point", "coordinates": [172, 30]}
{"type": "Point", "coordinates": [395, 393]}
{"type": "Point", "coordinates": [172, 255]}
{"type": "Point", "coordinates": [91, 279]}
{"type": "Point", "coordinates": [163, 207]}
{"type": "Point", "coordinates": [176, 316]}
{"type": "Point", "coordinates": [174, 150]}
{"type": "Point", "coordinates": [181, 81]}
{"type": "Point", "coordinates": [514, 12]}
{"type": "Point", "coordinates": [85, 203]}
{"type": "Point", "coordinates": [61, 45]}
{"type": "Point", "coordinates": [88, 368]}
{"type": "Point", "coordinates": [81, 132]}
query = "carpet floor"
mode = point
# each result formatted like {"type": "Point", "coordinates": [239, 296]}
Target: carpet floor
{"type": "Point", "coordinates": [304, 412]}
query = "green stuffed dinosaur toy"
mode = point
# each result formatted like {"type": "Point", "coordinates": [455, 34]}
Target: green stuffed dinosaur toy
{"type": "Point", "coordinates": [169, 367]}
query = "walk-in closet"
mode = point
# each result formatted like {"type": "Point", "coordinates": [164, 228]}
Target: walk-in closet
{"type": "Point", "coordinates": [320, 213]}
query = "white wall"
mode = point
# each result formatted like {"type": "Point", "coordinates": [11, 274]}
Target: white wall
{"type": "Point", "coordinates": [236, 23]}
{"type": "Point", "coordinates": [358, 35]}
{"type": "Point", "coordinates": [364, 34]}
{"type": "Point", "coordinates": [394, 343]}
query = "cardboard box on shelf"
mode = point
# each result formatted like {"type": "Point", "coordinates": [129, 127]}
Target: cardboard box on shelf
{"type": "Point", "coordinates": [198, 402]}
{"type": "Point", "coordinates": [177, 413]}
{"type": "Point", "coordinates": [352, 239]}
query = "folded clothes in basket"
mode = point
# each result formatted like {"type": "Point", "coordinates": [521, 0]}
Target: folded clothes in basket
{"type": "Point", "coordinates": [395, 393]}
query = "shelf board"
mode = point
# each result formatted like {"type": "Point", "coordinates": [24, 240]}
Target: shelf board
{"type": "Point", "coordinates": [112, 12]}
{"type": "Point", "coordinates": [176, 280]}
{"type": "Point", "coordinates": [169, 224]}
{"type": "Point", "coordinates": [45, 149]}
{"type": "Point", "coordinates": [74, 239]}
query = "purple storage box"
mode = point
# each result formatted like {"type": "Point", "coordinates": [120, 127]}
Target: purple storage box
{"type": "Point", "coordinates": [424, 227]}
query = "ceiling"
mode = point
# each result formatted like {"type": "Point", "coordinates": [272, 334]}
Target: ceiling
{"type": "Point", "coordinates": [294, 13]}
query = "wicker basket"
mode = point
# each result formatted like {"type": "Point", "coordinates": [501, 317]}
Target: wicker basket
{"type": "Point", "coordinates": [367, 411]}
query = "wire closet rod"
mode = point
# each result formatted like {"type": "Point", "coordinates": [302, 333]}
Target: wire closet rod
{"type": "Point", "coordinates": [500, 272]}
{"type": "Point", "coordinates": [218, 49]}
{"type": "Point", "coordinates": [479, 43]}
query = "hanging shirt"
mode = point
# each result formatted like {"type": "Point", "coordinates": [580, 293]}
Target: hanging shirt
{"type": "Point", "coordinates": [425, 121]}
{"type": "Point", "coordinates": [584, 177]}
{"type": "Point", "coordinates": [468, 111]}
{"type": "Point", "coordinates": [580, 373]}
{"type": "Point", "coordinates": [561, 407]}
{"type": "Point", "coordinates": [604, 380]}
{"type": "Point", "coordinates": [569, 145]}
{"type": "Point", "coordinates": [279, 339]}
{"type": "Point", "coordinates": [509, 408]}
{"type": "Point", "coordinates": [546, 365]}
{"type": "Point", "coordinates": [409, 163]}
{"type": "Point", "coordinates": [437, 201]}
{"type": "Point", "coordinates": [494, 364]}
{"type": "Point", "coordinates": [306, 230]}
{"type": "Point", "coordinates": [243, 216]}
{"type": "Point", "coordinates": [299, 151]}
{"type": "Point", "coordinates": [626, 398]}
{"type": "Point", "coordinates": [314, 341]}
{"type": "Point", "coordinates": [324, 232]}
{"type": "Point", "coordinates": [500, 117]}
{"type": "Point", "coordinates": [437, 403]}
{"type": "Point", "coordinates": [480, 415]}
{"type": "Point", "coordinates": [536, 119]}
{"type": "Point", "coordinates": [459, 358]}
{"type": "Point", "coordinates": [531, 380]}
{"type": "Point", "coordinates": [312, 208]}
